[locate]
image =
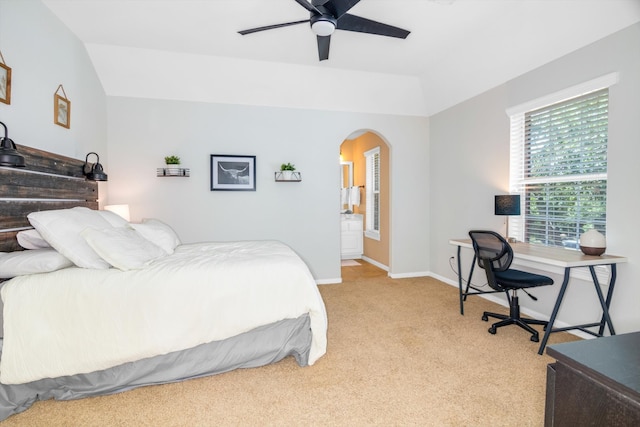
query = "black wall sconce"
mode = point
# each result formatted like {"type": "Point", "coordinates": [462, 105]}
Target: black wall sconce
{"type": "Point", "coordinates": [8, 153]}
{"type": "Point", "coordinates": [93, 172]}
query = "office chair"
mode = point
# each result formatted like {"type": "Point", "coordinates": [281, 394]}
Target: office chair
{"type": "Point", "coordinates": [494, 255]}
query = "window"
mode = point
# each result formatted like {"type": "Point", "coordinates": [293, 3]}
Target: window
{"type": "Point", "coordinates": [559, 167]}
{"type": "Point", "coordinates": [372, 193]}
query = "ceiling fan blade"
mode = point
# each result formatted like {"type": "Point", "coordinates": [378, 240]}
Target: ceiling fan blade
{"type": "Point", "coordinates": [339, 7]}
{"type": "Point", "coordinates": [271, 27]}
{"type": "Point", "coordinates": [363, 25]}
{"type": "Point", "coordinates": [311, 8]}
{"type": "Point", "coordinates": [323, 47]}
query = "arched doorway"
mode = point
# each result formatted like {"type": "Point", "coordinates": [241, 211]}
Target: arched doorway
{"type": "Point", "coordinates": [376, 246]}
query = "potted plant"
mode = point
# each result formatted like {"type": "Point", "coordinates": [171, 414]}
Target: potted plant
{"type": "Point", "coordinates": [287, 171]}
{"type": "Point", "coordinates": [172, 162]}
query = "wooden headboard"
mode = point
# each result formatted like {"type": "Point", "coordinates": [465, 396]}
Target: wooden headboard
{"type": "Point", "coordinates": [49, 181]}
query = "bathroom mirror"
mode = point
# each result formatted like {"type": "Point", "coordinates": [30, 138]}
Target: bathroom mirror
{"type": "Point", "coordinates": [346, 181]}
{"type": "Point", "coordinates": [346, 174]}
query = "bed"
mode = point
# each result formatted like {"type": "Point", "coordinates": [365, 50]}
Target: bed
{"type": "Point", "coordinates": [95, 305]}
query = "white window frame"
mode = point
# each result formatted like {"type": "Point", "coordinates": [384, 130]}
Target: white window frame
{"type": "Point", "coordinates": [372, 194]}
{"type": "Point", "coordinates": [517, 114]}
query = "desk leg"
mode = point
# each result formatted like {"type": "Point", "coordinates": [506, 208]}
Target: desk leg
{"type": "Point", "coordinates": [556, 307]}
{"type": "Point", "coordinates": [460, 281]}
{"type": "Point", "coordinates": [605, 304]}
{"type": "Point", "coordinates": [463, 294]}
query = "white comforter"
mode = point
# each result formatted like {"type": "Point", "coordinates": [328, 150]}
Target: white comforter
{"type": "Point", "coordinates": [78, 321]}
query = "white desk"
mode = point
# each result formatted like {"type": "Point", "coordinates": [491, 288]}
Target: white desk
{"type": "Point", "coordinates": [559, 257]}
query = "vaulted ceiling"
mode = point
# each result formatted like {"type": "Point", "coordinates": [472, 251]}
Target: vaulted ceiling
{"type": "Point", "coordinates": [456, 48]}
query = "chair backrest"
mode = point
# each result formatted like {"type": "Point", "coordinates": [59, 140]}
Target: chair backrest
{"type": "Point", "coordinates": [493, 253]}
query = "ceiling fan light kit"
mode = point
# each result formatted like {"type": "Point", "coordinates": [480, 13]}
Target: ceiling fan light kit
{"type": "Point", "coordinates": [323, 25]}
{"type": "Point", "coordinates": [330, 15]}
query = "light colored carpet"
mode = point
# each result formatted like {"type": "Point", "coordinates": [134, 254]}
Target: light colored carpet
{"type": "Point", "coordinates": [350, 263]}
{"type": "Point", "coordinates": [399, 354]}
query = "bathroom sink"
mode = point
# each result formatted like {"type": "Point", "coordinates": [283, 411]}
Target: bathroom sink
{"type": "Point", "coordinates": [351, 216]}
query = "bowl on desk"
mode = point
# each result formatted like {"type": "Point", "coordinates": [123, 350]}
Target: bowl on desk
{"type": "Point", "coordinates": [587, 250]}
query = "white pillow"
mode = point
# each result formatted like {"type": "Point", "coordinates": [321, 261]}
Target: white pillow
{"type": "Point", "coordinates": [122, 247]}
{"type": "Point", "coordinates": [61, 229]}
{"type": "Point", "coordinates": [159, 233]}
{"type": "Point", "coordinates": [31, 239]}
{"type": "Point", "coordinates": [113, 218]}
{"type": "Point", "coordinates": [19, 263]}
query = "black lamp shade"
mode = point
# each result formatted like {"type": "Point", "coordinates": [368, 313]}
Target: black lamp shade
{"type": "Point", "coordinates": [95, 171]}
{"type": "Point", "coordinates": [507, 204]}
{"type": "Point", "coordinates": [97, 174]}
{"type": "Point", "coordinates": [9, 155]}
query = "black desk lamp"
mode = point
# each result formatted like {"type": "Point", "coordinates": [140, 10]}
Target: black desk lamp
{"type": "Point", "coordinates": [507, 205]}
{"type": "Point", "coordinates": [8, 153]}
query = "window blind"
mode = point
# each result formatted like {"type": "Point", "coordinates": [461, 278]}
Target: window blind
{"type": "Point", "coordinates": [559, 166]}
{"type": "Point", "coordinates": [372, 220]}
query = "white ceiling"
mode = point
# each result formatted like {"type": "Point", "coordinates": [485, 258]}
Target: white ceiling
{"type": "Point", "coordinates": [456, 49]}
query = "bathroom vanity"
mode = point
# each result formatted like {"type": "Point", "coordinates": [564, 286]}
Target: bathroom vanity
{"type": "Point", "coordinates": [351, 226]}
{"type": "Point", "coordinates": [351, 241]}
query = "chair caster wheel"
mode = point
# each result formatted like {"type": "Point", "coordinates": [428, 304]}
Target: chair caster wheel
{"type": "Point", "coordinates": [534, 338]}
{"type": "Point", "coordinates": [492, 331]}
{"type": "Point", "coordinates": [485, 318]}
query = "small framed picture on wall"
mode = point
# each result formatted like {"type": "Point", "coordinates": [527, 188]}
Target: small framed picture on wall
{"type": "Point", "coordinates": [233, 173]}
{"type": "Point", "coordinates": [5, 84]}
{"type": "Point", "coordinates": [61, 108]}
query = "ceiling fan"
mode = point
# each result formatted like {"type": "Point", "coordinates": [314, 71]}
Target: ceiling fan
{"type": "Point", "coordinates": [330, 15]}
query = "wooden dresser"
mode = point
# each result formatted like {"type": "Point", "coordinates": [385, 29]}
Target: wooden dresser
{"type": "Point", "coordinates": [594, 382]}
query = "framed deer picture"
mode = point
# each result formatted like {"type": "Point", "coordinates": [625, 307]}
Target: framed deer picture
{"type": "Point", "coordinates": [233, 173]}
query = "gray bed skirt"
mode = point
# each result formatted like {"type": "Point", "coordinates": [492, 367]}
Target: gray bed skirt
{"type": "Point", "coordinates": [258, 347]}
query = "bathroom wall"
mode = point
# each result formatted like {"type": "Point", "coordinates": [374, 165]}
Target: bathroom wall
{"type": "Point", "coordinates": [353, 150]}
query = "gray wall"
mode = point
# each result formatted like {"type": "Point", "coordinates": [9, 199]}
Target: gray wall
{"type": "Point", "coordinates": [304, 215]}
{"type": "Point", "coordinates": [470, 164]}
{"type": "Point", "coordinates": [42, 54]}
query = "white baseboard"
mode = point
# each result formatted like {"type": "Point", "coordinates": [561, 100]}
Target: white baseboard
{"type": "Point", "coordinates": [444, 279]}
{"type": "Point", "coordinates": [394, 275]}
{"type": "Point", "coordinates": [329, 281]}
{"type": "Point", "coordinates": [376, 263]}
{"type": "Point", "coordinates": [409, 275]}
